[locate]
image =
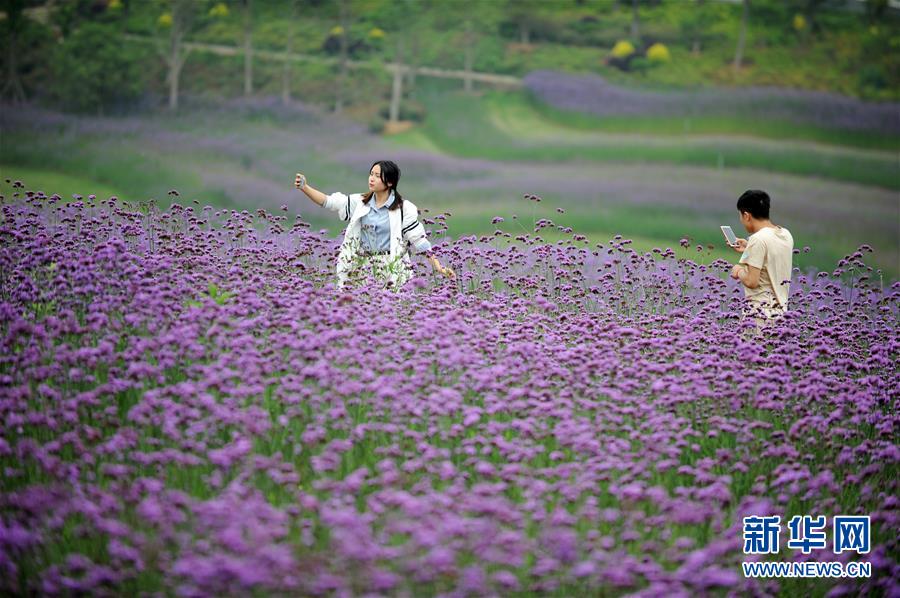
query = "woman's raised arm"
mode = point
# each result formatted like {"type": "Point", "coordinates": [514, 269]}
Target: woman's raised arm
{"type": "Point", "coordinates": [311, 192]}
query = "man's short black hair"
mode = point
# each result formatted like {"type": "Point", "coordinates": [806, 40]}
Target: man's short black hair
{"type": "Point", "coordinates": [756, 203]}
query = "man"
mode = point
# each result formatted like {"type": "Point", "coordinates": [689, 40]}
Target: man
{"type": "Point", "coordinates": [766, 257]}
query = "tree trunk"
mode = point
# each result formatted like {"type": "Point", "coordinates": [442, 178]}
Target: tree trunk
{"type": "Point", "coordinates": [742, 36]}
{"type": "Point", "coordinates": [174, 77]}
{"type": "Point", "coordinates": [469, 56]}
{"type": "Point", "coordinates": [635, 22]}
{"type": "Point", "coordinates": [173, 60]}
{"type": "Point", "coordinates": [524, 33]}
{"type": "Point", "coordinates": [13, 88]}
{"type": "Point", "coordinates": [411, 72]}
{"type": "Point", "coordinates": [342, 73]}
{"type": "Point", "coordinates": [176, 55]}
{"type": "Point", "coordinates": [14, 20]}
{"type": "Point", "coordinates": [248, 47]}
{"type": "Point", "coordinates": [288, 50]}
{"type": "Point", "coordinates": [697, 41]}
{"type": "Point", "coordinates": [397, 87]}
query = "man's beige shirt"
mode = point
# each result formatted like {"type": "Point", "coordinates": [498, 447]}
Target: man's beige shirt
{"type": "Point", "coordinates": [772, 251]}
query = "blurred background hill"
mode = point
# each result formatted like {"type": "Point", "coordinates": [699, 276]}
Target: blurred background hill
{"type": "Point", "coordinates": [641, 117]}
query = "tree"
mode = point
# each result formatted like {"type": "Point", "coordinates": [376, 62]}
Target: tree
{"type": "Point", "coordinates": [469, 54]}
{"type": "Point", "coordinates": [876, 9]}
{"type": "Point", "coordinates": [526, 15]}
{"type": "Point", "coordinates": [414, 26]}
{"type": "Point", "coordinates": [14, 26]}
{"type": "Point", "coordinates": [179, 21]}
{"type": "Point", "coordinates": [398, 17]}
{"type": "Point", "coordinates": [742, 36]}
{"type": "Point", "coordinates": [635, 22]}
{"type": "Point", "coordinates": [478, 19]}
{"type": "Point", "coordinates": [68, 15]}
{"type": "Point", "coordinates": [247, 6]}
{"type": "Point", "coordinates": [811, 9]}
{"type": "Point", "coordinates": [93, 70]}
{"type": "Point", "coordinates": [696, 24]}
{"type": "Point", "coordinates": [289, 49]}
{"type": "Point", "coordinates": [344, 12]}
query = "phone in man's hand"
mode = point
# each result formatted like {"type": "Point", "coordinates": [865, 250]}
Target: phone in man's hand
{"type": "Point", "coordinates": [729, 235]}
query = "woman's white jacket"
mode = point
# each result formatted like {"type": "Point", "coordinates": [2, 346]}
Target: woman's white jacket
{"type": "Point", "coordinates": [405, 231]}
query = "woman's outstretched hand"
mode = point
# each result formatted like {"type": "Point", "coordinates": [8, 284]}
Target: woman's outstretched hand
{"type": "Point", "coordinates": [314, 194]}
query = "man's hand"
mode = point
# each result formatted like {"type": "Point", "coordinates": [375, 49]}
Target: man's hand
{"type": "Point", "coordinates": [299, 181]}
{"type": "Point", "coordinates": [740, 245]}
{"type": "Point", "coordinates": [736, 271]}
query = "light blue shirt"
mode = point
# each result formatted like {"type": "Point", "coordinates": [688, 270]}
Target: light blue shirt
{"type": "Point", "coordinates": [375, 228]}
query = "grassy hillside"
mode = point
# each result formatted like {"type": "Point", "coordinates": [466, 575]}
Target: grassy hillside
{"type": "Point", "coordinates": [245, 158]}
{"type": "Point", "coordinates": [510, 128]}
{"type": "Point", "coordinates": [664, 183]}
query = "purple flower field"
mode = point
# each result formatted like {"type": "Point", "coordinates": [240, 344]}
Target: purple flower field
{"type": "Point", "coordinates": [594, 95]}
{"type": "Point", "coordinates": [189, 407]}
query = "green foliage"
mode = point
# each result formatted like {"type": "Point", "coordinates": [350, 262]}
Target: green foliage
{"type": "Point", "coordinates": [94, 70]}
{"type": "Point", "coordinates": [835, 51]}
{"type": "Point", "coordinates": [69, 16]}
{"type": "Point", "coordinates": [409, 110]}
{"type": "Point", "coordinates": [33, 42]}
{"type": "Point", "coordinates": [696, 26]}
{"type": "Point", "coordinates": [880, 72]}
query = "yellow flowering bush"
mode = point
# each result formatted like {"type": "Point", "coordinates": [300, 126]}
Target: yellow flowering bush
{"type": "Point", "coordinates": [219, 10]}
{"type": "Point", "coordinates": [622, 49]}
{"type": "Point", "coordinates": [799, 22]}
{"type": "Point", "coordinates": [376, 33]}
{"type": "Point", "coordinates": [658, 53]}
{"type": "Point", "coordinates": [165, 19]}
{"type": "Point", "coordinates": [337, 30]}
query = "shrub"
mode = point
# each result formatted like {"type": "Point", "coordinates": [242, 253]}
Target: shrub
{"type": "Point", "coordinates": [409, 110]}
{"type": "Point", "coordinates": [622, 49]}
{"type": "Point", "coordinates": [658, 53]}
{"type": "Point", "coordinates": [220, 10]}
{"type": "Point", "coordinates": [95, 71]}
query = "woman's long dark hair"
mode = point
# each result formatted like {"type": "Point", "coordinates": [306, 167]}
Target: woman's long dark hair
{"type": "Point", "coordinates": [390, 176]}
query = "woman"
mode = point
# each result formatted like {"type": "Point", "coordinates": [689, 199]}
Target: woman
{"type": "Point", "coordinates": [382, 226]}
